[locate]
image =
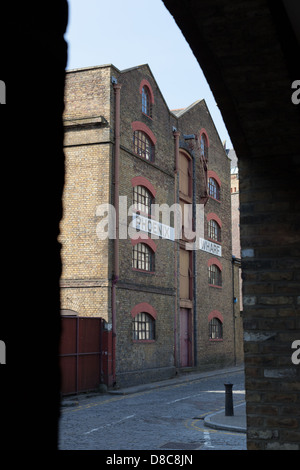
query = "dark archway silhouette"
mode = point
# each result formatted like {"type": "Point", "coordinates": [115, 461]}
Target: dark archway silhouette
{"type": "Point", "coordinates": [249, 57]}
{"type": "Point", "coordinates": [247, 52]}
{"type": "Point", "coordinates": [33, 61]}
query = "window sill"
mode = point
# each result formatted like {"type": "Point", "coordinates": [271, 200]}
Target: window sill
{"type": "Point", "coordinates": [214, 285]}
{"type": "Point", "coordinates": [151, 163]}
{"type": "Point", "coordinates": [144, 214]}
{"type": "Point", "coordinates": [144, 158]}
{"type": "Point", "coordinates": [147, 116]}
{"type": "Point", "coordinates": [215, 340]}
{"type": "Point", "coordinates": [214, 241]}
{"type": "Point", "coordinates": [214, 199]}
{"type": "Point", "coordinates": [143, 271]}
{"type": "Point", "coordinates": [144, 341]}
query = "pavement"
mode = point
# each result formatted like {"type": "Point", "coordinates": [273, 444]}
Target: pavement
{"type": "Point", "coordinates": [215, 420]}
{"type": "Point", "coordinates": [235, 423]}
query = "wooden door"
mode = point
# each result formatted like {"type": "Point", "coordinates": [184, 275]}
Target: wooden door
{"type": "Point", "coordinates": [185, 337]}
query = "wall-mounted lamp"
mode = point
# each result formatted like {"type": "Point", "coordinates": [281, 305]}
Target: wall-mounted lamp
{"type": "Point", "coordinates": [189, 136]}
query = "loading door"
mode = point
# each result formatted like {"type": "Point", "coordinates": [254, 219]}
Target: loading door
{"type": "Point", "coordinates": [185, 337]}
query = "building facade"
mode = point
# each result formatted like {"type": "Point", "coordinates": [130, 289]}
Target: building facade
{"type": "Point", "coordinates": [236, 251]}
{"type": "Point", "coordinates": [146, 232]}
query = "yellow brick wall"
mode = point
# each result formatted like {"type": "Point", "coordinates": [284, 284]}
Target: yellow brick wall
{"type": "Point", "coordinates": [85, 284]}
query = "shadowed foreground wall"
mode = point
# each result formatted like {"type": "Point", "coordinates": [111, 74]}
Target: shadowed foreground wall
{"type": "Point", "coordinates": [247, 51]}
{"type": "Point", "coordinates": [33, 60]}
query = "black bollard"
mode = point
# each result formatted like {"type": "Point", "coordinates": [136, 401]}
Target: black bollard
{"type": "Point", "coordinates": [228, 400]}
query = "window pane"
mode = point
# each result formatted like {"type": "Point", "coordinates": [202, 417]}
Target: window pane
{"type": "Point", "coordinates": [214, 275]}
{"type": "Point", "coordinates": [143, 327]}
{"type": "Point", "coordinates": [203, 147]}
{"type": "Point", "coordinates": [146, 102]}
{"type": "Point", "coordinates": [213, 189]}
{"type": "Point", "coordinates": [215, 329]}
{"type": "Point", "coordinates": [142, 257]}
{"type": "Point", "coordinates": [142, 145]}
{"type": "Point", "coordinates": [214, 231]}
{"type": "Point", "coordinates": [142, 199]}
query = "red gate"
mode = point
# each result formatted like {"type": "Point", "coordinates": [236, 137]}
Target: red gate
{"type": "Point", "coordinates": [81, 354]}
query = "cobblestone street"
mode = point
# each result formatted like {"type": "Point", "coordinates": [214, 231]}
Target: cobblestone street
{"type": "Point", "coordinates": [169, 416]}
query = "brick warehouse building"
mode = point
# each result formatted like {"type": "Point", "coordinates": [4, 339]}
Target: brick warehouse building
{"type": "Point", "coordinates": [165, 306]}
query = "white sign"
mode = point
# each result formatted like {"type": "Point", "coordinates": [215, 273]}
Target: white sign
{"type": "Point", "coordinates": [210, 247]}
{"type": "Point", "coordinates": [152, 226]}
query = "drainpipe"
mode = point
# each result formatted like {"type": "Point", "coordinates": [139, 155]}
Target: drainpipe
{"type": "Point", "coordinates": [233, 309]}
{"type": "Point", "coordinates": [176, 135]}
{"type": "Point", "coordinates": [117, 89]}
{"type": "Point", "coordinates": [194, 264]}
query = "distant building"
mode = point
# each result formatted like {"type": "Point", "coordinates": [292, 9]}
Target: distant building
{"type": "Point", "coordinates": [166, 306]}
{"type": "Point", "coordinates": [235, 204]}
{"type": "Point", "coordinates": [236, 246]}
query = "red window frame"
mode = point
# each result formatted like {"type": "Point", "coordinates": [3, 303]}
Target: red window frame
{"type": "Point", "coordinates": [139, 309]}
{"type": "Point", "coordinates": [204, 146]}
{"type": "Point", "coordinates": [143, 327]}
{"type": "Point", "coordinates": [146, 102]}
{"type": "Point", "coordinates": [214, 276]}
{"type": "Point", "coordinates": [142, 257]}
{"type": "Point", "coordinates": [214, 231]}
{"type": "Point", "coordinates": [142, 199]}
{"type": "Point", "coordinates": [143, 146]}
{"type": "Point", "coordinates": [214, 189]}
{"type": "Point", "coordinates": [215, 329]}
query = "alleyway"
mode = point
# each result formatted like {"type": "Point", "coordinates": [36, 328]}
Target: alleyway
{"type": "Point", "coordinates": [168, 417]}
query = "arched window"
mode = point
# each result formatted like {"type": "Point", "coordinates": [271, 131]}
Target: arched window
{"type": "Point", "coordinates": [204, 146]}
{"type": "Point", "coordinates": [214, 230]}
{"type": "Point", "coordinates": [143, 146]}
{"type": "Point", "coordinates": [142, 257]}
{"type": "Point", "coordinates": [147, 98]}
{"type": "Point", "coordinates": [142, 199]}
{"type": "Point", "coordinates": [215, 328]}
{"type": "Point", "coordinates": [146, 101]}
{"type": "Point", "coordinates": [143, 327]}
{"type": "Point", "coordinates": [214, 275]}
{"type": "Point", "coordinates": [213, 189]}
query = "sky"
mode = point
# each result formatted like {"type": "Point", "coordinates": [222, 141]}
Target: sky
{"type": "Point", "coordinates": [127, 33]}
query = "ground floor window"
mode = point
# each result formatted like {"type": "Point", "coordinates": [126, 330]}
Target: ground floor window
{"type": "Point", "coordinates": [143, 327]}
{"type": "Point", "coordinates": [215, 329]}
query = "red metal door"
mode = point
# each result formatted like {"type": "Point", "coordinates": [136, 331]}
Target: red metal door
{"type": "Point", "coordinates": [80, 354]}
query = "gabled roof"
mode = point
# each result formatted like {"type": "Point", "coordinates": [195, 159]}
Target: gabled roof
{"type": "Point", "coordinates": [179, 112]}
{"type": "Point", "coordinates": [151, 73]}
